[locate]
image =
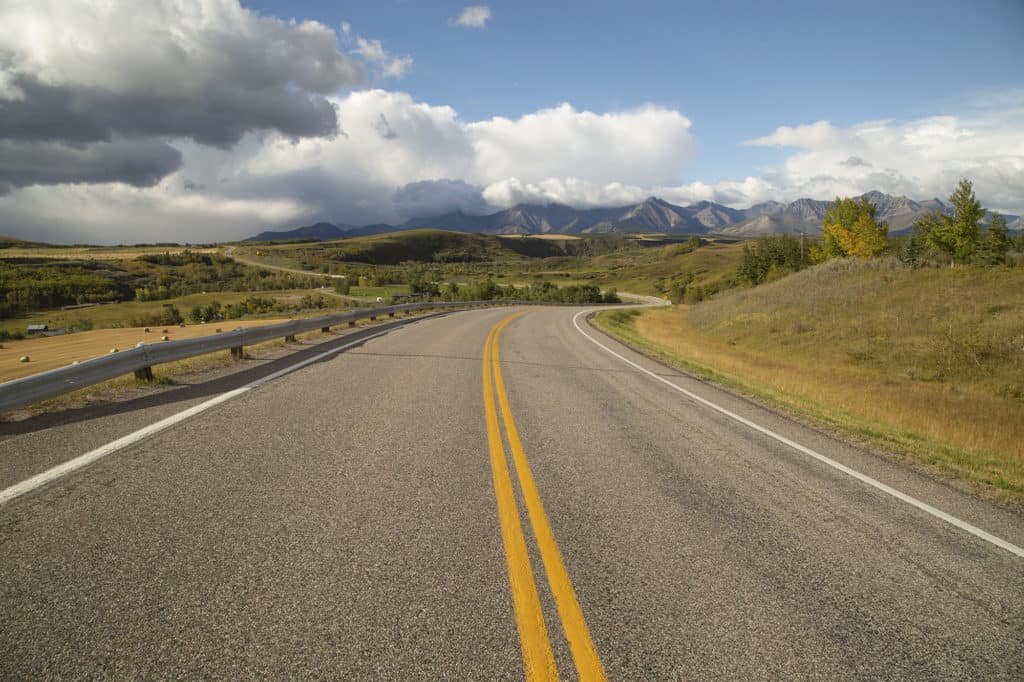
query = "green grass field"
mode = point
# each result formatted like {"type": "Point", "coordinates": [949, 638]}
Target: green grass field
{"type": "Point", "coordinates": [121, 314]}
{"type": "Point", "coordinates": [384, 292]}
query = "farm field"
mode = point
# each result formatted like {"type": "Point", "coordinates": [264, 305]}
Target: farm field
{"type": "Point", "coordinates": [46, 353]}
{"type": "Point", "coordinates": [99, 252]}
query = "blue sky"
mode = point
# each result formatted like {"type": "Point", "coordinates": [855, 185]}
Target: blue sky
{"type": "Point", "coordinates": [217, 119]}
{"type": "Point", "coordinates": [737, 69]}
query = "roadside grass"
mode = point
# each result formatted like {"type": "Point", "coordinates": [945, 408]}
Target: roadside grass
{"type": "Point", "coordinates": [928, 364]}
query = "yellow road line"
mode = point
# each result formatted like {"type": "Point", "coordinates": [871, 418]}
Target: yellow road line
{"type": "Point", "coordinates": [588, 664]}
{"type": "Point", "coordinates": [538, 659]}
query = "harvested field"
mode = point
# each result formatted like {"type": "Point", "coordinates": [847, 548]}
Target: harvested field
{"type": "Point", "coordinates": [98, 252]}
{"type": "Point", "coordinates": [46, 353]}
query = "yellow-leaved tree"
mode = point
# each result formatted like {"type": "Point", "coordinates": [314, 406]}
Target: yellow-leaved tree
{"type": "Point", "coordinates": [849, 228]}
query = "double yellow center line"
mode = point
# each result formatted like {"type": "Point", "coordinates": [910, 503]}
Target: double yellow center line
{"type": "Point", "coordinates": [538, 658]}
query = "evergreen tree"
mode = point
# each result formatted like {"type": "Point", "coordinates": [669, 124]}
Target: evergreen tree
{"type": "Point", "coordinates": [995, 243]}
{"type": "Point", "coordinates": [956, 236]}
{"type": "Point", "coordinates": [911, 250]}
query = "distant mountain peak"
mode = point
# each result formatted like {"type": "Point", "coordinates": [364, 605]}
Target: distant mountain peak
{"type": "Point", "coordinates": [653, 214]}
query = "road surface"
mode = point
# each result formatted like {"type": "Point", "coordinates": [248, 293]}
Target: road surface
{"type": "Point", "coordinates": [401, 510]}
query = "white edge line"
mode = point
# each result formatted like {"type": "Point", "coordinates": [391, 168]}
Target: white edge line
{"type": "Point", "coordinates": [41, 479]}
{"type": "Point", "coordinates": [927, 508]}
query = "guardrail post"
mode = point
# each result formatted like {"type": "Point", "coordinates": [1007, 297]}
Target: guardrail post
{"type": "Point", "coordinates": [141, 359]}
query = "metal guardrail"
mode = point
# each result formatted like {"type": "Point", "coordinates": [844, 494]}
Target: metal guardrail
{"type": "Point", "coordinates": [142, 358]}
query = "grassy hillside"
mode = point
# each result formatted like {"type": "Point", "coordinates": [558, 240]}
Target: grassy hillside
{"type": "Point", "coordinates": [928, 362]}
{"type": "Point", "coordinates": [425, 246]}
{"type": "Point", "coordinates": [640, 263]}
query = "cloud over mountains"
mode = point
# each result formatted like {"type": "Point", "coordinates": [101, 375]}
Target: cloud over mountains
{"type": "Point", "coordinates": [204, 120]}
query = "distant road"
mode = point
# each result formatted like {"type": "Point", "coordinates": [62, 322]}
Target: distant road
{"type": "Point", "coordinates": [481, 494]}
{"type": "Point", "coordinates": [230, 252]}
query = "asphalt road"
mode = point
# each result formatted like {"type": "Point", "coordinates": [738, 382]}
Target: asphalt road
{"type": "Point", "coordinates": [341, 522]}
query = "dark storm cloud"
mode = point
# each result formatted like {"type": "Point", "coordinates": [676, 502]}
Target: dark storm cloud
{"type": "Point", "coordinates": [219, 118]}
{"type": "Point", "coordinates": [141, 163]}
{"type": "Point", "coordinates": [207, 70]}
{"type": "Point", "coordinates": [436, 197]}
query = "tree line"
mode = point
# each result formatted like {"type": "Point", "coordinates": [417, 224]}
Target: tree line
{"type": "Point", "coordinates": [30, 285]}
{"type": "Point", "coordinates": [850, 229]}
{"type": "Point", "coordinates": [489, 290]}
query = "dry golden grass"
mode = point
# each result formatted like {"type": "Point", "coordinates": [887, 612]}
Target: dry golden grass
{"type": "Point", "coordinates": [928, 362]}
{"type": "Point", "coordinates": [48, 353]}
{"type": "Point", "coordinates": [98, 252]}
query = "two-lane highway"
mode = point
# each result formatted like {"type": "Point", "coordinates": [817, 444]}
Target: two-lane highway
{"type": "Point", "coordinates": [353, 519]}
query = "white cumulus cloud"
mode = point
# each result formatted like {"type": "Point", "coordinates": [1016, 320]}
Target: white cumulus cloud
{"type": "Point", "coordinates": [921, 158]}
{"type": "Point", "coordinates": [395, 158]}
{"type": "Point", "coordinates": [474, 16]}
{"type": "Point", "coordinates": [374, 54]}
{"type": "Point", "coordinates": [646, 146]}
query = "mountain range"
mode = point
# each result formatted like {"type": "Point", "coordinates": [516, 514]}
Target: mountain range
{"type": "Point", "coordinates": [651, 215]}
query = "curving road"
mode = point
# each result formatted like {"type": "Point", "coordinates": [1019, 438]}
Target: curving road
{"type": "Point", "coordinates": [476, 497]}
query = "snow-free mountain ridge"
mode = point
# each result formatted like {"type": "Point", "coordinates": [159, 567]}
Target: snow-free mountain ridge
{"type": "Point", "coordinates": [802, 216]}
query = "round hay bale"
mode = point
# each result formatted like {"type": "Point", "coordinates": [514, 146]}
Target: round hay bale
{"type": "Point", "coordinates": [23, 358]}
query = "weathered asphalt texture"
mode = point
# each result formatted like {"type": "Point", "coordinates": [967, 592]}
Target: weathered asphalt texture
{"type": "Point", "coordinates": [340, 522]}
